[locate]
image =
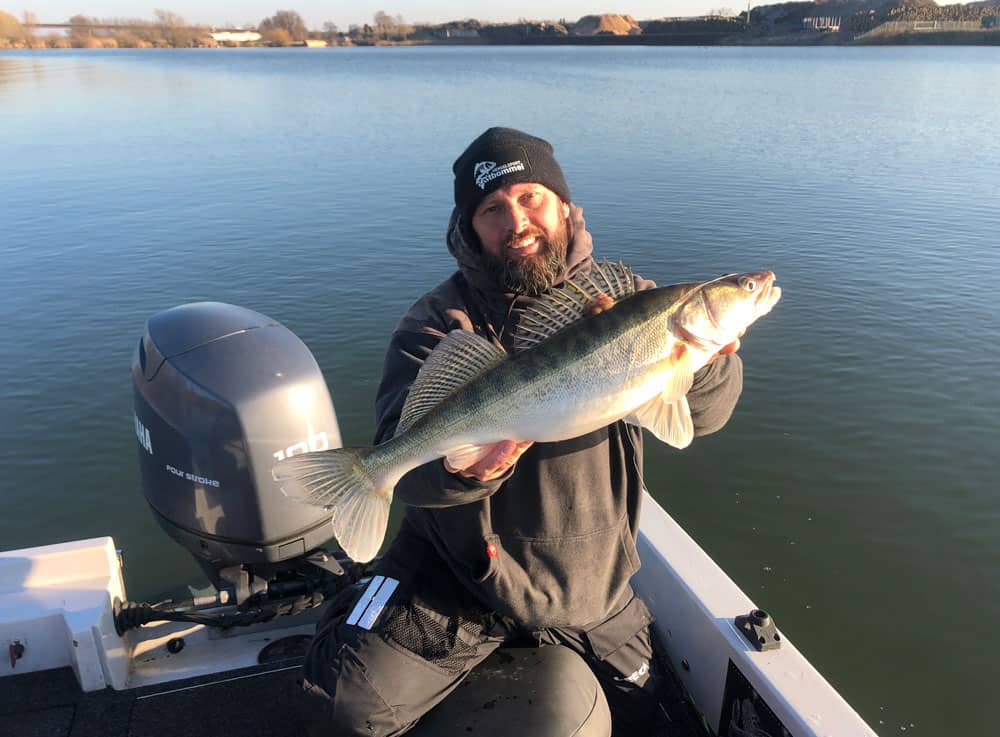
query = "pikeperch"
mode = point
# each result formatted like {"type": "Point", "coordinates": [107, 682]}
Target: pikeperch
{"type": "Point", "coordinates": [573, 369]}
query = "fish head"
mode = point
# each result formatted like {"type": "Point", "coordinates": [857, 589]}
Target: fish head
{"type": "Point", "coordinates": [717, 312]}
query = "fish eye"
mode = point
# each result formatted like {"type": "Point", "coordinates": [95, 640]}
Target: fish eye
{"type": "Point", "coordinates": [748, 283]}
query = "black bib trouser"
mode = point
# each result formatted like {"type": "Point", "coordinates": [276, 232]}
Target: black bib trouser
{"type": "Point", "coordinates": [376, 668]}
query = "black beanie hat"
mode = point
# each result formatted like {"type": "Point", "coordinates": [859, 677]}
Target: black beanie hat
{"type": "Point", "coordinates": [501, 157]}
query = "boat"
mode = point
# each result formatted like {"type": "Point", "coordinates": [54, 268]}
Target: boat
{"type": "Point", "coordinates": [220, 393]}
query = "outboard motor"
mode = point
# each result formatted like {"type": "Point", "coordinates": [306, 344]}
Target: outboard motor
{"type": "Point", "coordinates": [221, 394]}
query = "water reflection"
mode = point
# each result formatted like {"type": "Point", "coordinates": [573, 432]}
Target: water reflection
{"type": "Point", "coordinates": [36, 68]}
{"type": "Point", "coordinates": [18, 70]}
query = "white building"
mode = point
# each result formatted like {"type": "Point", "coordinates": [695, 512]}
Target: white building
{"type": "Point", "coordinates": [238, 37]}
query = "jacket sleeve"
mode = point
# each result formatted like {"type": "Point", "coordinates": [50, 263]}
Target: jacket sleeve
{"type": "Point", "coordinates": [712, 397]}
{"type": "Point", "coordinates": [429, 485]}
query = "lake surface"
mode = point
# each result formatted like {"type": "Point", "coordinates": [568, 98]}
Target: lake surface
{"type": "Point", "coordinates": [854, 493]}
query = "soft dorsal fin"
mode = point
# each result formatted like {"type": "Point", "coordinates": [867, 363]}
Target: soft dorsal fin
{"type": "Point", "coordinates": [563, 306]}
{"type": "Point", "coordinates": [459, 358]}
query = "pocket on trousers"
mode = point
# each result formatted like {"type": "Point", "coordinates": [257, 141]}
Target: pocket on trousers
{"type": "Point", "coordinates": [444, 632]}
{"type": "Point", "coordinates": [610, 635]}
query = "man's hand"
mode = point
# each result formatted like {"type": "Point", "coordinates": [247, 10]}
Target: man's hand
{"type": "Point", "coordinates": [496, 463]}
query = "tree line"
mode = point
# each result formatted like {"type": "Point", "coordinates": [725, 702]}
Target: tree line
{"type": "Point", "coordinates": [168, 29]}
{"type": "Point", "coordinates": [286, 27]}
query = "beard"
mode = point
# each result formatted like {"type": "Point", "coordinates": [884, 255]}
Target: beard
{"type": "Point", "coordinates": [533, 275]}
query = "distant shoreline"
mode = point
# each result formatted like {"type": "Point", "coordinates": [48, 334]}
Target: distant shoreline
{"type": "Point", "coordinates": [926, 38]}
{"type": "Point", "coordinates": [822, 23]}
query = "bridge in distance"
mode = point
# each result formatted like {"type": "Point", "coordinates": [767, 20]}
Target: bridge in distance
{"type": "Point", "coordinates": [128, 27]}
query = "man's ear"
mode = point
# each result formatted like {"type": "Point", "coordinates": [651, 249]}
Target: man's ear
{"type": "Point", "coordinates": [565, 209]}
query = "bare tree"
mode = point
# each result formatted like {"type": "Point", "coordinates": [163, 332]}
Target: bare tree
{"type": "Point", "coordinates": [384, 24]}
{"type": "Point", "coordinates": [81, 31]}
{"type": "Point", "coordinates": [168, 19]}
{"type": "Point", "coordinates": [288, 20]}
{"type": "Point", "coordinates": [174, 29]}
{"type": "Point", "coordinates": [391, 26]}
{"type": "Point", "coordinates": [11, 31]}
{"type": "Point", "coordinates": [277, 37]}
{"type": "Point", "coordinates": [28, 21]}
{"type": "Point", "coordinates": [402, 28]}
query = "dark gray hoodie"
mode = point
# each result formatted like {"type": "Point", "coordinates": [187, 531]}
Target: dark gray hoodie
{"type": "Point", "coordinates": [552, 543]}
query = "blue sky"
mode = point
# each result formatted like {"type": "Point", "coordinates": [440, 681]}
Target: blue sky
{"type": "Point", "coordinates": [216, 12]}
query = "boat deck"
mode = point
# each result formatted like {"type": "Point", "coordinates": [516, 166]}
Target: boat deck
{"type": "Point", "coordinates": [251, 702]}
{"type": "Point", "coordinates": [261, 701]}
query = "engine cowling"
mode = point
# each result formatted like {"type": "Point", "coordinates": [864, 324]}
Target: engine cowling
{"type": "Point", "coordinates": [221, 393]}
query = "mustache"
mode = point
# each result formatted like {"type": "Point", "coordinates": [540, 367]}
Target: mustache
{"type": "Point", "coordinates": [526, 233]}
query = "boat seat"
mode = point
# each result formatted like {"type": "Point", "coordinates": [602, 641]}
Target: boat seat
{"type": "Point", "coordinates": [524, 691]}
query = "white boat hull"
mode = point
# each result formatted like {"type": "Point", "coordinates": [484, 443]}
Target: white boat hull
{"type": "Point", "coordinates": [56, 603]}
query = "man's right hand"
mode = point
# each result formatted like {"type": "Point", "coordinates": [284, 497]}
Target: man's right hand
{"type": "Point", "coordinates": [494, 464]}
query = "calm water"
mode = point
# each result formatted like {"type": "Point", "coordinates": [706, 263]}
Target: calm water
{"type": "Point", "coordinates": [854, 493]}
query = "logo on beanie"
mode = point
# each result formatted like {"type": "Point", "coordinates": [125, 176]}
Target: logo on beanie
{"type": "Point", "coordinates": [486, 171]}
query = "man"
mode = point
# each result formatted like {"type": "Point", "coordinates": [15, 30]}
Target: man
{"type": "Point", "coordinates": [532, 540]}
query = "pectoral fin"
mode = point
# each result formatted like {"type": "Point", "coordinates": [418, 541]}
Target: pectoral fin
{"type": "Point", "coordinates": [667, 415]}
{"type": "Point", "coordinates": [668, 421]}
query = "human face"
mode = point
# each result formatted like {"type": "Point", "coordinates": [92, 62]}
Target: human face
{"type": "Point", "coordinates": [523, 232]}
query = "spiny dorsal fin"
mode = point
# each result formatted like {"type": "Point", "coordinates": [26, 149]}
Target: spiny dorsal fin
{"type": "Point", "coordinates": [563, 306]}
{"type": "Point", "coordinates": [459, 358]}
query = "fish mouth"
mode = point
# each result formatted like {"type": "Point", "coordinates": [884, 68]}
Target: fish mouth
{"type": "Point", "coordinates": [767, 296]}
{"type": "Point", "coordinates": [773, 295]}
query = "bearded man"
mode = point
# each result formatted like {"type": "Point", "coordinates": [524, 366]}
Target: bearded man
{"type": "Point", "coordinates": [533, 540]}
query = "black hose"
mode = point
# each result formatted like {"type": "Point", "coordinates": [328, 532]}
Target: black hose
{"type": "Point", "coordinates": [282, 598]}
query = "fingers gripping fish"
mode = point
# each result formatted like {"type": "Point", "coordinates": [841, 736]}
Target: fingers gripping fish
{"type": "Point", "coordinates": [586, 354]}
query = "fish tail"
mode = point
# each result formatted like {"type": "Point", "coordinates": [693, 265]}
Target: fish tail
{"type": "Point", "coordinates": [341, 481]}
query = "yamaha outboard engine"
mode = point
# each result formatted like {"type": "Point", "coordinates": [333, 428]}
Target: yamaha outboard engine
{"type": "Point", "coordinates": [221, 394]}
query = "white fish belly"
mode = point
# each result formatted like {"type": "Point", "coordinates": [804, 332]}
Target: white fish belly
{"type": "Point", "coordinates": [580, 397]}
{"type": "Point", "coordinates": [574, 402]}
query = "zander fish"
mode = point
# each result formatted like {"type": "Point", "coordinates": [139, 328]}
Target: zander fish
{"type": "Point", "coordinates": [571, 372]}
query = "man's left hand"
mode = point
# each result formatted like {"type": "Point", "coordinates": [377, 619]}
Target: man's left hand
{"type": "Point", "coordinates": [495, 464]}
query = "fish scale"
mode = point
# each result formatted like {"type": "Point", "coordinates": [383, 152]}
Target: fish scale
{"type": "Point", "coordinates": [577, 372]}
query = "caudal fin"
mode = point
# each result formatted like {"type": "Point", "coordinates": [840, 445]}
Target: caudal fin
{"type": "Point", "coordinates": [340, 482]}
